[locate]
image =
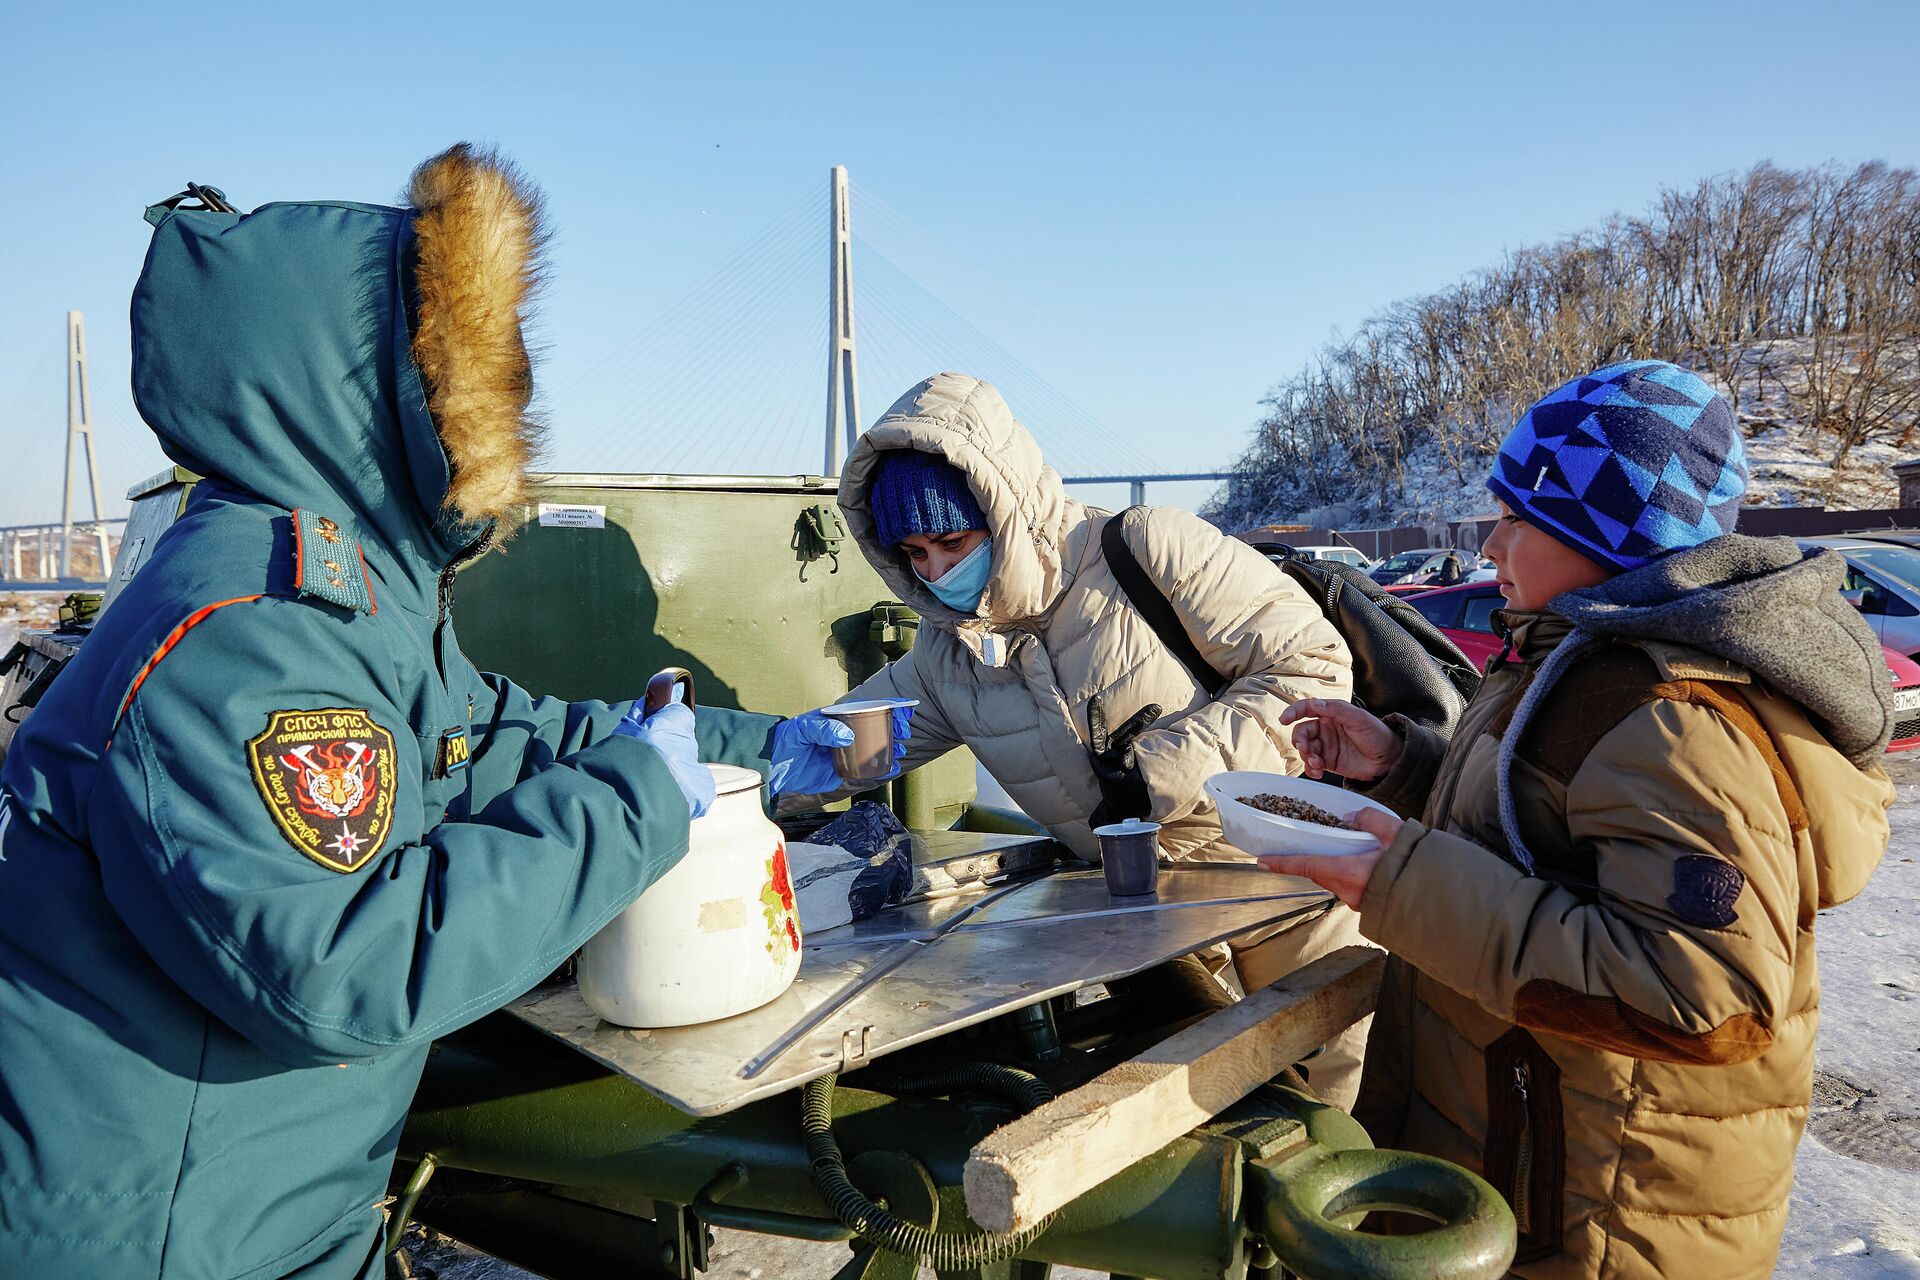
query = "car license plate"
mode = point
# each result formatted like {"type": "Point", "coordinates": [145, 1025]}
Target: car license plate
{"type": "Point", "coordinates": [1906, 699]}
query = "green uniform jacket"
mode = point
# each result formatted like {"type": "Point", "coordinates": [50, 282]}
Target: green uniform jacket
{"type": "Point", "coordinates": [271, 833]}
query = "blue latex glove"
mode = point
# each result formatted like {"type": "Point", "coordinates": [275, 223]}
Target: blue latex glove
{"type": "Point", "coordinates": [803, 752]}
{"type": "Point", "coordinates": [670, 732]}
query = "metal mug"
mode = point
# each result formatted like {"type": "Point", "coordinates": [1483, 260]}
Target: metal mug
{"type": "Point", "coordinates": [869, 758]}
{"type": "Point", "coordinates": [1130, 857]}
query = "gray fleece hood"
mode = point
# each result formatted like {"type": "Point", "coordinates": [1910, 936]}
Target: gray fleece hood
{"type": "Point", "coordinates": [1762, 603]}
{"type": "Point", "coordinates": [1769, 606]}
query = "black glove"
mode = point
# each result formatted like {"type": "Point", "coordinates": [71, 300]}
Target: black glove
{"type": "Point", "coordinates": [1123, 791]}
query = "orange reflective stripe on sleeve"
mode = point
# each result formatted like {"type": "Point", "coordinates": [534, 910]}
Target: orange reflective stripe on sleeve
{"type": "Point", "coordinates": [193, 620]}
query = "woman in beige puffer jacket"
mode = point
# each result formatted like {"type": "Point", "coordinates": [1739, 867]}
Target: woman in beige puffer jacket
{"type": "Point", "coordinates": [1053, 631]}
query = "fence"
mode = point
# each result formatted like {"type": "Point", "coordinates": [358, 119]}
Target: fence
{"type": "Point", "coordinates": [1375, 544]}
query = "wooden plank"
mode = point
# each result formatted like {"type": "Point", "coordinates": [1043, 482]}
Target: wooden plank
{"type": "Point", "coordinates": [1020, 1173]}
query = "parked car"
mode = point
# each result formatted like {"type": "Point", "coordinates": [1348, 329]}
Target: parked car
{"type": "Point", "coordinates": [1344, 555]}
{"type": "Point", "coordinates": [1901, 537]}
{"type": "Point", "coordinates": [1447, 564]}
{"type": "Point", "coordinates": [1906, 701]}
{"type": "Point", "coordinates": [1883, 582]}
{"type": "Point", "coordinates": [1465, 614]}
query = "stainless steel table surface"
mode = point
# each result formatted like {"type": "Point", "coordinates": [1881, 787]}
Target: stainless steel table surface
{"type": "Point", "coordinates": [1051, 935]}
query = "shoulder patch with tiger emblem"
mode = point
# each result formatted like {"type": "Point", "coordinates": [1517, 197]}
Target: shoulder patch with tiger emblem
{"type": "Point", "coordinates": [327, 777]}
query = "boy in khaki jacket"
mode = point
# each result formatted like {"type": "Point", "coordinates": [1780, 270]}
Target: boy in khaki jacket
{"type": "Point", "coordinates": [1604, 994]}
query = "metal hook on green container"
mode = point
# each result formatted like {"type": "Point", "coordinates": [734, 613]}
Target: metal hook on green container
{"type": "Point", "coordinates": [818, 531]}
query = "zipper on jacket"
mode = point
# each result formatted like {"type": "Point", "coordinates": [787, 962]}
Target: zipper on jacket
{"type": "Point", "coordinates": [1522, 1198]}
{"type": "Point", "coordinates": [1506, 647]}
{"type": "Point", "coordinates": [472, 551]}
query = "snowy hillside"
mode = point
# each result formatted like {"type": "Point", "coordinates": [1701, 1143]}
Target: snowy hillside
{"type": "Point", "coordinates": [1797, 292]}
{"type": "Point", "coordinates": [1790, 462]}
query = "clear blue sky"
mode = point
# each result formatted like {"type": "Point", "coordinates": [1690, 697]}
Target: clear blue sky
{"type": "Point", "coordinates": [1167, 207]}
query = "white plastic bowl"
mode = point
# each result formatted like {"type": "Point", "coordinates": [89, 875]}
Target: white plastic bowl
{"type": "Point", "coordinates": [1260, 833]}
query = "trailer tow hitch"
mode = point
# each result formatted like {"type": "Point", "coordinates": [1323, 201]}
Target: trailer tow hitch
{"type": "Point", "coordinates": [1310, 1200]}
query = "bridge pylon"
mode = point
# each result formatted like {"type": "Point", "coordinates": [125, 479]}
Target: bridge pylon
{"type": "Point", "coordinates": [843, 363]}
{"type": "Point", "coordinates": [79, 435]}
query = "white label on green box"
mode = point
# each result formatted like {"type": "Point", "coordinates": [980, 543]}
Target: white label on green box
{"type": "Point", "coordinates": [568, 515]}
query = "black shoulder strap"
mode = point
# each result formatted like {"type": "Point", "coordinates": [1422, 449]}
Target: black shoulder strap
{"type": "Point", "coordinates": [1151, 604]}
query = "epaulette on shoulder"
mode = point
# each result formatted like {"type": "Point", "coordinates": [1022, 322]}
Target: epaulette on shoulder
{"type": "Point", "coordinates": [328, 564]}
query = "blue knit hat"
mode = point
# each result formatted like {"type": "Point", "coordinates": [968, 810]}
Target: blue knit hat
{"type": "Point", "coordinates": [1626, 464]}
{"type": "Point", "coordinates": [915, 492]}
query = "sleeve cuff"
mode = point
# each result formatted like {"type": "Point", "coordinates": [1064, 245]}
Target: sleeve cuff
{"type": "Point", "coordinates": [1373, 905]}
{"type": "Point", "coordinates": [1157, 755]}
{"type": "Point", "coordinates": [1404, 787]}
{"type": "Point", "coordinates": [1435, 899]}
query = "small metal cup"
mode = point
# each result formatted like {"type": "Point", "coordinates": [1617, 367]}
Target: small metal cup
{"type": "Point", "coordinates": [1130, 856]}
{"type": "Point", "coordinates": [870, 758]}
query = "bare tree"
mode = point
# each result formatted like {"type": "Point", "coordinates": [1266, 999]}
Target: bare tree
{"type": "Point", "coordinates": [1808, 278]}
{"type": "Point", "coordinates": [1861, 380]}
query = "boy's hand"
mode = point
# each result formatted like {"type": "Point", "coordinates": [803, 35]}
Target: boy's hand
{"type": "Point", "coordinates": [1337, 737]}
{"type": "Point", "coordinates": [1345, 876]}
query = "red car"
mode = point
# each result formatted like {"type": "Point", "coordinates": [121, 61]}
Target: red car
{"type": "Point", "coordinates": [1906, 700]}
{"type": "Point", "coordinates": [1465, 613]}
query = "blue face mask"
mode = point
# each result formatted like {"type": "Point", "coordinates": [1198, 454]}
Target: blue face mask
{"type": "Point", "coordinates": [961, 586]}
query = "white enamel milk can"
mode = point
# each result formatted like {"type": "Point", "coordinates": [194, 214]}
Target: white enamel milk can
{"type": "Point", "coordinates": [717, 935]}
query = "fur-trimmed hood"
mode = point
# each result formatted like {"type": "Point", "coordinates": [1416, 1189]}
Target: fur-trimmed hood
{"type": "Point", "coordinates": [362, 361]}
{"type": "Point", "coordinates": [480, 236]}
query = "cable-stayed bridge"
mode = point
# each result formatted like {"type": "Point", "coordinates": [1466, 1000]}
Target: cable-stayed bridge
{"type": "Point", "coordinates": [724, 378]}
{"type": "Point", "coordinates": [75, 550]}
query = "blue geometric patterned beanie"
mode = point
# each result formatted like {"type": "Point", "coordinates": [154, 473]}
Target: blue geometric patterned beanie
{"type": "Point", "coordinates": [1626, 464]}
{"type": "Point", "coordinates": [915, 492]}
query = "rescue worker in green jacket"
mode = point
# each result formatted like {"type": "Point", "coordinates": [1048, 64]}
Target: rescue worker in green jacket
{"type": "Point", "coordinates": [270, 833]}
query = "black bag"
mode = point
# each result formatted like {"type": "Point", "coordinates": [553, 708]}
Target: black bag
{"type": "Point", "coordinates": [1402, 663]}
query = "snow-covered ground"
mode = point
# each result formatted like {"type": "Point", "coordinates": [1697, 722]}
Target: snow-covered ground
{"type": "Point", "coordinates": [25, 611]}
{"type": "Point", "coordinates": [1790, 464]}
{"type": "Point", "coordinates": [1856, 1198]}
